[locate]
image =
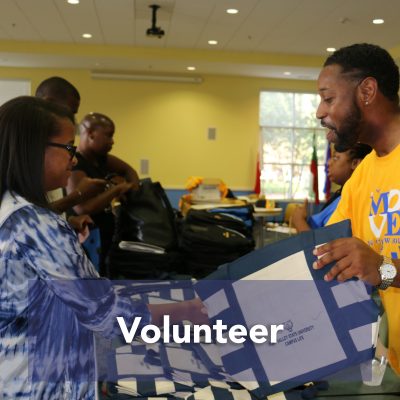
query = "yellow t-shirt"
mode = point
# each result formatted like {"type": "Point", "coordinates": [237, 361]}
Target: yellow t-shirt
{"type": "Point", "coordinates": [371, 200]}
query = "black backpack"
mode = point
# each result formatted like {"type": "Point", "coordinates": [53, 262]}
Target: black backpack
{"type": "Point", "coordinates": [146, 217]}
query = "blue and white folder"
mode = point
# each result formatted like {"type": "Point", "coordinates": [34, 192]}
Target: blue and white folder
{"type": "Point", "coordinates": [328, 326]}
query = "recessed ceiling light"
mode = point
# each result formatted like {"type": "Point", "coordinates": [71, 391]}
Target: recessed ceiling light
{"type": "Point", "coordinates": [213, 42]}
{"type": "Point", "coordinates": [330, 49]}
{"type": "Point", "coordinates": [232, 11]}
{"type": "Point", "coordinates": [287, 73]}
{"type": "Point", "coordinates": [87, 35]}
{"type": "Point", "coordinates": [73, 1]}
{"type": "Point", "coordinates": [378, 21]}
{"type": "Point", "coordinates": [191, 68]}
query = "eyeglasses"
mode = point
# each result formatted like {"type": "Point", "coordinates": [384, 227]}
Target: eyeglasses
{"type": "Point", "coordinates": [69, 147]}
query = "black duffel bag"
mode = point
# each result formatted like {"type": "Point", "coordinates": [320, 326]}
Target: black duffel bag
{"type": "Point", "coordinates": [211, 239]}
{"type": "Point", "coordinates": [208, 217]}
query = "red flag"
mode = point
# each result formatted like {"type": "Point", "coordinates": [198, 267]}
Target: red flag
{"type": "Point", "coordinates": [314, 172]}
{"type": "Point", "coordinates": [257, 185]}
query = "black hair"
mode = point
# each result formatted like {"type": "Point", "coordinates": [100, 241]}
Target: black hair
{"type": "Point", "coordinates": [356, 152]}
{"type": "Point", "coordinates": [364, 60]}
{"type": "Point", "coordinates": [57, 88]}
{"type": "Point", "coordinates": [26, 125]}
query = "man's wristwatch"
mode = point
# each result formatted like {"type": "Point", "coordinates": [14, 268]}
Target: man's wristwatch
{"type": "Point", "coordinates": [388, 272]}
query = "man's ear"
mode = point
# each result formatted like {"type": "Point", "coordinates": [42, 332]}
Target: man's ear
{"type": "Point", "coordinates": [367, 90]}
{"type": "Point", "coordinates": [91, 133]}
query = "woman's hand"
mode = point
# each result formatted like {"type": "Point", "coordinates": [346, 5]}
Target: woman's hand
{"type": "Point", "coordinates": [189, 310]}
{"type": "Point", "coordinates": [80, 224]}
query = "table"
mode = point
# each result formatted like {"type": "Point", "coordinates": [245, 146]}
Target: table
{"type": "Point", "coordinates": [389, 390]}
{"type": "Point", "coordinates": [186, 204]}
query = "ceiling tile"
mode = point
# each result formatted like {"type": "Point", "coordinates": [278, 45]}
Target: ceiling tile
{"type": "Point", "coordinates": [117, 21]}
{"type": "Point", "coordinates": [49, 24]}
{"type": "Point", "coordinates": [81, 18]}
{"type": "Point", "coordinates": [15, 24]}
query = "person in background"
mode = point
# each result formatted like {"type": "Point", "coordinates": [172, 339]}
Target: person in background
{"type": "Point", "coordinates": [340, 168]}
{"type": "Point", "coordinates": [94, 161]}
{"type": "Point", "coordinates": [60, 91]}
{"type": "Point", "coordinates": [52, 300]}
{"type": "Point", "coordinates": [359, 86]}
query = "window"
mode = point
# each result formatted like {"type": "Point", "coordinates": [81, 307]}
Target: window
{"type": "Point", "coordinates": [288, 127]}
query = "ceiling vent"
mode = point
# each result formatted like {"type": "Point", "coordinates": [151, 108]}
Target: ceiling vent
{"type": "Point", "coordinates": [154, 30]}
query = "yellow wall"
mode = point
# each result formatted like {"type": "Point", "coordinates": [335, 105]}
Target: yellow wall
{"type": "Point", "coordinates": [167, 122]}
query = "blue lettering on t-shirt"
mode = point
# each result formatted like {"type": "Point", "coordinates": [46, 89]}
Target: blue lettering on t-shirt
{"type": "Point", "coordinates": [383, 197]}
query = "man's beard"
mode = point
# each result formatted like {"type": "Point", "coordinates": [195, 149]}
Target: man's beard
{"type": "Point", "coordinates": [348, 135]}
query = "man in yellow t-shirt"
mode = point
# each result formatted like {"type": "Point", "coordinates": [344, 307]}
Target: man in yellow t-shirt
{"type": "Point", "coordinates": [359, 103]}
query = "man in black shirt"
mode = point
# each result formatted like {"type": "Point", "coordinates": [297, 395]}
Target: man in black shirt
{"type": "Point", "coordinates": [94, 161]}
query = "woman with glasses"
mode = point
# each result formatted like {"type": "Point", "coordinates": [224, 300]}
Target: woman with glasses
{"type": "Point", "coordinates": [51, 298]}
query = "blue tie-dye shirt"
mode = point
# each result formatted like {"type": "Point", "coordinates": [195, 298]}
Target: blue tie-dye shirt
{"type": "Point", "coordinates": [51, 302]}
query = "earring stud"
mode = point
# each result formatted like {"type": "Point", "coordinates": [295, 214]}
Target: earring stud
{"type": "Point", "coordinates": [366, 103]}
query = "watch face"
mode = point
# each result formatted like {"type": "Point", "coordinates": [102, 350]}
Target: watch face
{"type": "Point", "coordinates": [388, 271]}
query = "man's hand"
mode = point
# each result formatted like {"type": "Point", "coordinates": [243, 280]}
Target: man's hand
{"type": "Point", "coordinates": [353, 257]}
{"type": "Point", "coordinates": [89, 187]}
{"type": "Point", "coordinates": [123, 187]}
{"type": "Point", "coordinates": [115, 179]}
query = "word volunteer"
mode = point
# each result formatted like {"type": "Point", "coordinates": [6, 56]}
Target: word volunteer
{"type": "Point", "coordinates": [191, 333]}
